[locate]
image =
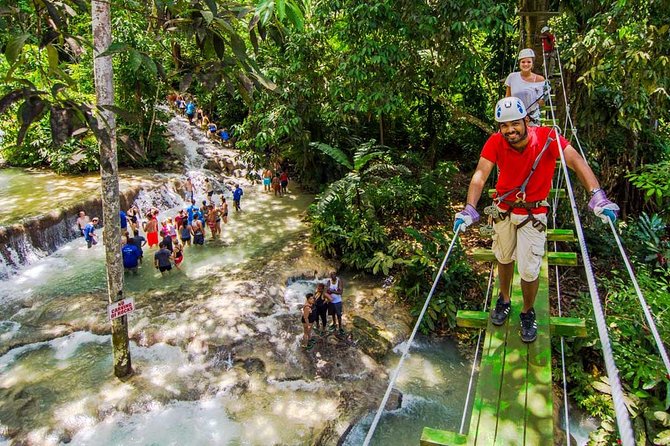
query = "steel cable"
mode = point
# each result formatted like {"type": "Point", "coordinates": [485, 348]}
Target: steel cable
{"type": "Point", "coordinates": [396, 372]}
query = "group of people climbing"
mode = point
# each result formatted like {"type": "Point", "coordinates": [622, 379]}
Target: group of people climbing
{"type": "Point", "coordinates": [187, 107]}
{"type": "Point", "coordinates": [525, 155]}
{"type": "Point", "coordinates": [326, 300]}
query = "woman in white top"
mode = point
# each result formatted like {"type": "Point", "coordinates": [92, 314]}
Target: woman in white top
{"type": "Point", "coordinates": [527, 86]}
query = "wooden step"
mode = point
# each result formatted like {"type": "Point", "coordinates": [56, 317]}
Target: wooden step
{"type": "Point", "coordinates": [561, 235]}
{"type": "Point", "coordinates": [436, 437]}
{"type": "Point", "coordinates": [554, 258]}
{"type": "Point", "coordinates": [560, 326]}
{"type": "Point", "coordinates": [560, 192]}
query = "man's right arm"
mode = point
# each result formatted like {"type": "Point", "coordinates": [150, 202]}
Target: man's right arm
{"type": "Point", "coordinates": [484, 168]}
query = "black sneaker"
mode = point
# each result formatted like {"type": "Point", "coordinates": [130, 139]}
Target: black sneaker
{"type": "Point", "coordinates": [528, 326]}
{"type": "Point", "coordinates": [500, 312]}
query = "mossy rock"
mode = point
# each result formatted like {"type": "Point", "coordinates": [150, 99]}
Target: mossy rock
{"type": "Point", "coordinates": [369, 338]}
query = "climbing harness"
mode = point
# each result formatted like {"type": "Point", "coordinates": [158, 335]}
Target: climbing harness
{"type": "Point", "coordinates": [396, 372]}
{"type": "Point", "coordinates": [495, 214]}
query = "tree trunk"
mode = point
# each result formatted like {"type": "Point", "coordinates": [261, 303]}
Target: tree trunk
{"type": "Point", "coordinates": [104, 90]}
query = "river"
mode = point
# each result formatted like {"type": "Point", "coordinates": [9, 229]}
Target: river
{"type": "Point", "coordinates": [214, 345]}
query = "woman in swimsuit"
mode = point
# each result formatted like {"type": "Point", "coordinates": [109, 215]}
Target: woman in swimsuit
{"type": "Point", "coordinates": [178, 255]}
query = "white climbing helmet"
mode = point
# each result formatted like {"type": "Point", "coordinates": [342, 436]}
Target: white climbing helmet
{"type": "Point", "coordinates": [526, 52]}
{"type": "Point", "coordinates": [544, 30]}
{"type": "Point", "coordinates": [510, 109]}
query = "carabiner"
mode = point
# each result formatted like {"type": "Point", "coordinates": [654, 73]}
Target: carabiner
{"type": "Point", "coordinates": [520, 197]}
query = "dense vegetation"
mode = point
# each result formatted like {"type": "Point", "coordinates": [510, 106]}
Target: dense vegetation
{"type": "Point", "coordinates": [382, 106]}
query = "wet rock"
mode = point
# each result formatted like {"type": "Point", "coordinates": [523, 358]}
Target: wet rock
{"type": "Point", "coordinates": [253, 365]}
{"type": "Point", "coordinates": [395, 400]}
{"type": "Point", "coordinates": [212, 165]}
{"type": "Point", "coordinates": [369, 338]}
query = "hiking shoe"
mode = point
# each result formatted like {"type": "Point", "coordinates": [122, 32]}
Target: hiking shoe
{"type": "Point", "coordinates": [528, 326]}
{"type": "Point", "coordinates": [332, 327]}
{"type": "Point", "coordinates": [500, 312]}
{"type": "Point", "coordinates": [341, 331]}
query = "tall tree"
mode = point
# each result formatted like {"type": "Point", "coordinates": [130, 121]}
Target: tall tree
{"type": "Point", "coordinates": [109, 173]}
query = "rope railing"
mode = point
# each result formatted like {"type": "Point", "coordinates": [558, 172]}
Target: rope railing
{"type": "Point", "coordinates": [643, 303]}
{"type": "Point", "coordinates": [474, 361]}
{"type": "Point", "coordinates": [620, 410]}
{"type": "Point", "coordinates": [566, 405]}
{"type": "Point", "coordinates": [396, 372]}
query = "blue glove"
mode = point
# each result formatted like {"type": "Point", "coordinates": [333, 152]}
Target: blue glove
{"type": "Point", "coordinates": [465, 218]}
{"type": "Point", "coordinates": [602, 207]}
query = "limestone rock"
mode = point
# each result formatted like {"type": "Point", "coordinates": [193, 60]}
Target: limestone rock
{"type": "Point", "coordinates": [369, 338]}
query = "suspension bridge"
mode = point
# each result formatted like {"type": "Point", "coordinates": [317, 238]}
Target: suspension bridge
{"type": "Point", "coordinates": [513, 400]}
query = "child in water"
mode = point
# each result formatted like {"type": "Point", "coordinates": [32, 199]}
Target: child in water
{"type": "Point", "coordinates": [178, 254]}
{"type": "Point", "coordinates": [307, 321]}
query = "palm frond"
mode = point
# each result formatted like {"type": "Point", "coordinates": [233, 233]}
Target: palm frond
{"type": "Point", "coordinates": [335, 153]}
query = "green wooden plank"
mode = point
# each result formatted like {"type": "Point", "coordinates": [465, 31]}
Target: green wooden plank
{"type": "Point", "coordinates": [485, 403]}
{"type": "Point", "coordinates": [560, 326]}
{"type": "Point", "coordinates": [472, 319]}
{"type": "Point", "coordinates": [511, 413]}
{"type": "Point", "coordinates": [568, 326]}
{"type": "Point", "coordinates": [483, 255]}
{"type": "Point", "coordinates": [436, 437]}
{"type": "Point", "coordinates": [561, 235]}
{"type": "Point", "coordinates": [562, 258]}
{"type": "Point", "coordinates": [539, 397]}
{"type": "Point", "coordinates": [555, 258]}
{"type": "Point", "coordinates": [552, 193]}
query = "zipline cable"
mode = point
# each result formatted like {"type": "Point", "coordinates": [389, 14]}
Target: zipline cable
{"type": "Point", "coordinates": [643, 303]}
{"type": "Point", "coordinates": [474, 361]}
{"type": "Point", "coordinates": [396, 372]}
{"type": "Point", "coordinates": [620, 410]}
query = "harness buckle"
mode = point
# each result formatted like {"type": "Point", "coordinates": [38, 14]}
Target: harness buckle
{"type": "Point", "coordinates": [520, 197]}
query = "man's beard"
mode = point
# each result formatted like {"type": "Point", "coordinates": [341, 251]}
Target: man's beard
{"type": "Point", "coordinates": [515, 137]}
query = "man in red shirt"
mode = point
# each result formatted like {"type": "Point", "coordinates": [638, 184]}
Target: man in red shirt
{"type": "Point", "coordinates": [526, 158]}
{"type": "Point", "coordinates": [549, 50]}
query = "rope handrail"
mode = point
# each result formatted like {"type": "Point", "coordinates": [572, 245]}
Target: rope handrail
{"type": "Point", "coordinates": [566, 405]}
{"type": "Point", "coordinates": [474, 361]}
{"type": "Point", "coordinates": [396, 372]}
{"type": "Point", "coordinates": [643, 303]}
{"type": "Point", "coordinates": [620, 410]}
{"type": "Point", "coordinates": [645, 308]}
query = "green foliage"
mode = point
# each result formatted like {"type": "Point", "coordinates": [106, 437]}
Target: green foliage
{"type": "Point", "coordinates": [648, 238]}
{"type": "Point", "coordinates": [640, 367]}
{"type": "Point", "coordinates": [422, 255]}
{"type": "Point", "coordinates": [654, 181]}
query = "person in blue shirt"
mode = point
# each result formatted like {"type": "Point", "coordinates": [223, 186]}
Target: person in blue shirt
{"type": "Point", "coordinates": [190, 111]}
{"type": "Point", "coordinates": [131, 256]}
{"type": "Point", "coordinates": [225, 136]}
{"type": "Point", "coordinates": [89, 233]}
{"type": "Point", "coordinates": [191, 210]}
{"type": "Point", "coordinates": [237, 196]}
{"type": "Point", "coordinates": [124, 221]}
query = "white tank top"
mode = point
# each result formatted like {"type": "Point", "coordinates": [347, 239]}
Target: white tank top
{"type": "Point", "coordinates": [337, 298]}
{"type": "Point", "coordinates": [528, 92]}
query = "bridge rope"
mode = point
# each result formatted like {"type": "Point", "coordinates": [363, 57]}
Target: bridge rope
{"type": "Point", "coordinates": [396, 372]}
{"type": "Point", "coordinates": [564, 379]}
{"type": "Point", "coordinates": [643, 303]}
{"type": "Point", "coordinates": [620, 410]}
{"type": "Point", "coordinates": [474, 361]}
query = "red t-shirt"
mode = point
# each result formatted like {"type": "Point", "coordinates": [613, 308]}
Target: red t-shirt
{"type": "Point", "coordinates": [514, 167]}
{"type": "Point", "coordinates": [548, 41]}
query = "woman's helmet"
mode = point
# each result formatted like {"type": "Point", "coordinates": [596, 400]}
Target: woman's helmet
{"type": "Point", "coordinates": [526, 52]}
{"type": "Point", "coordinates": [544, 30]}
{"type": "Point", "coordinates": [510, 109]}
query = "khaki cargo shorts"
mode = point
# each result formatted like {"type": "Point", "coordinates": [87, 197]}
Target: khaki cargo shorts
{"type": "Point", "coordinates": [526, 245]}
